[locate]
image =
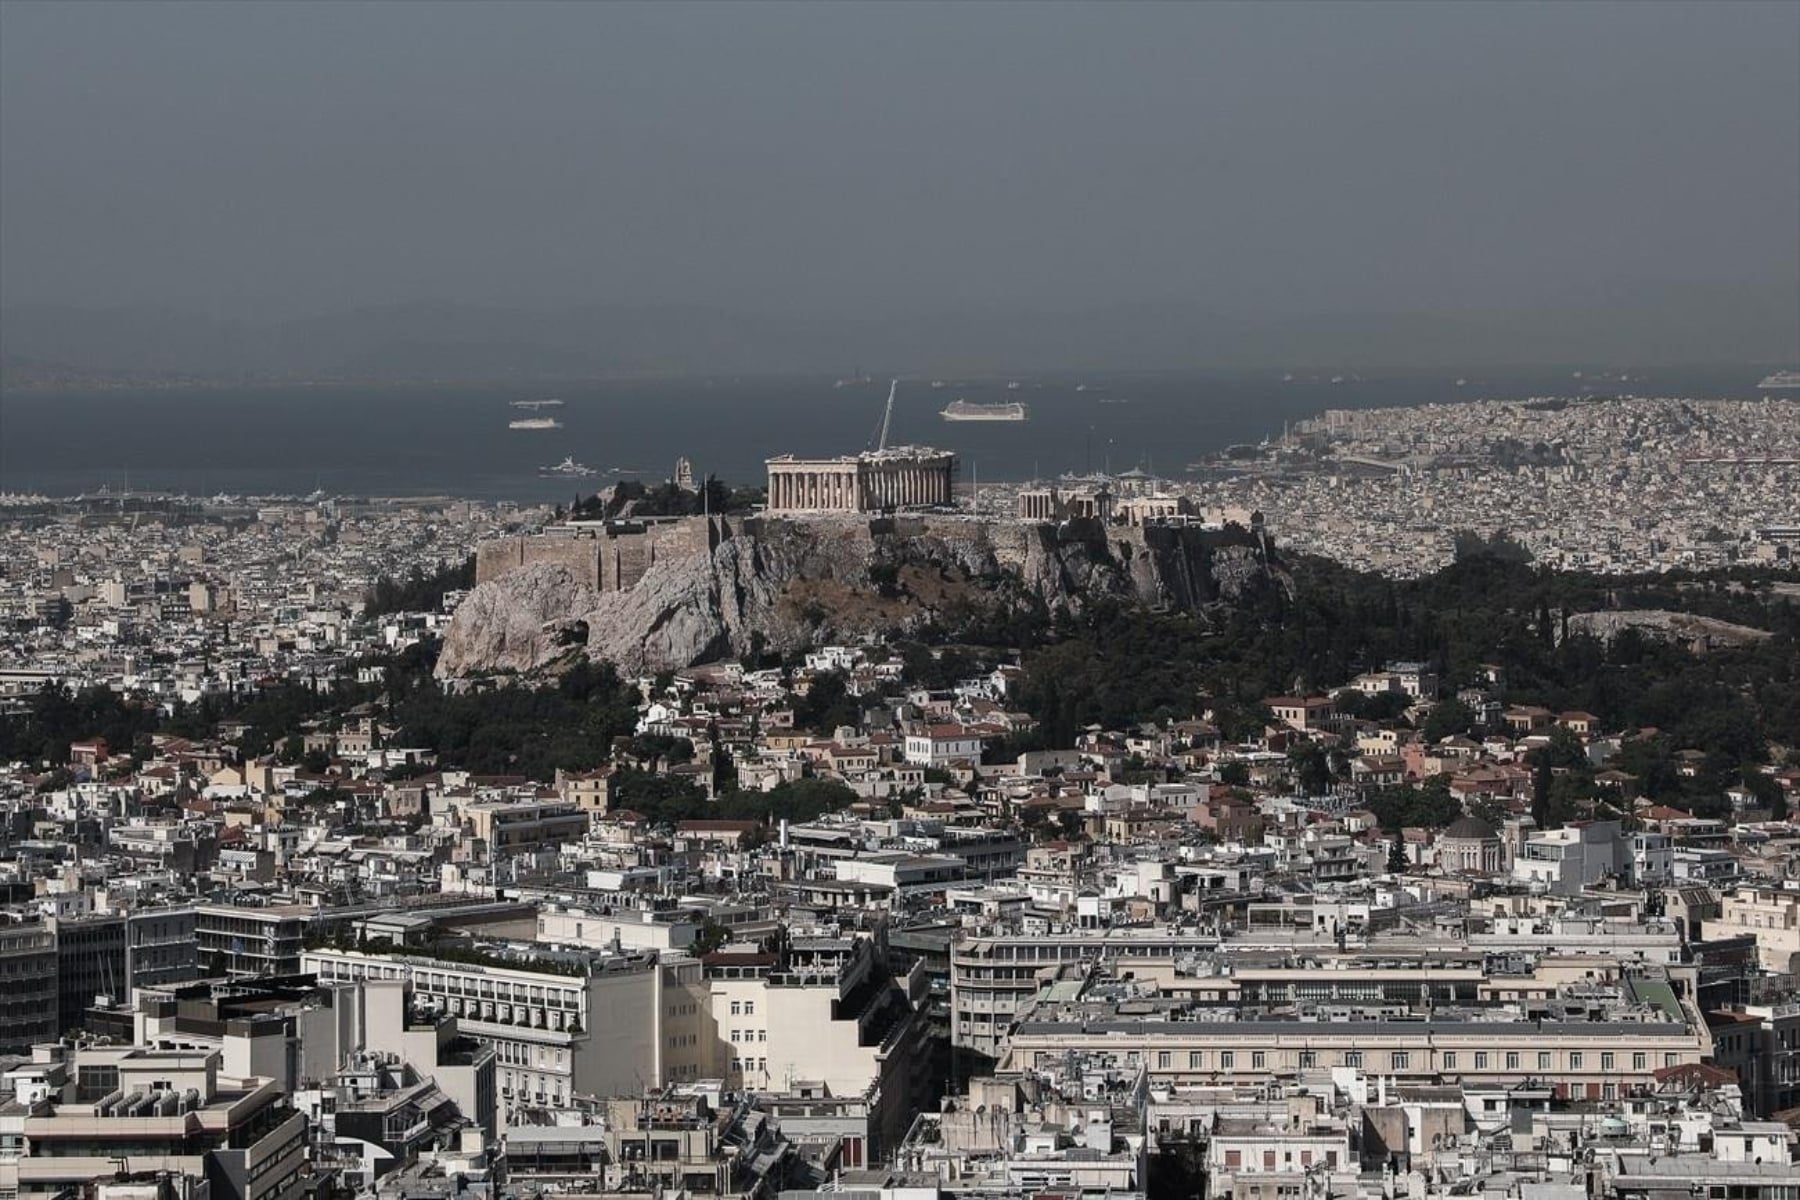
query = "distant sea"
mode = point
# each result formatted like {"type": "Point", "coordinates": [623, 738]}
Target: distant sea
{"type": "Point", "coordinates": [415, 440]}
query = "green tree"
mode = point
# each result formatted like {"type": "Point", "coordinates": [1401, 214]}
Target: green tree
{"type": "Point", "coordinates": [1311, 769]}
{"type": "Point", "coordinates": [711, 937]}
{"type": "Point", "coordinates": [1447, 718]}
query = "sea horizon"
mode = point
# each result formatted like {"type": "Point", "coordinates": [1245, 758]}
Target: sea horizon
{"type": "Point", "coordinates": [452, 439]}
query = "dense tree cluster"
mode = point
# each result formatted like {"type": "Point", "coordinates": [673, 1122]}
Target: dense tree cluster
{"type": "Point", "coordinates": [419, 591]}
{"type": "Point", "coordinates": [1120, 665]}
{"type": "Point", "coordinates": [632, 498]}
{"type": "Point", "coordinates": [42, 728]}
{"type": "Point", "coordinates": [666, 799]}
{"type": "Point", "coordinates": [517, 730]}
{"type": "Point", "coordinates": [1404, 806]}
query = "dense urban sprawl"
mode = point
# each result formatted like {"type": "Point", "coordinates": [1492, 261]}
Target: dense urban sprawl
{"type": "Point", "coordinates": [1410, 884]}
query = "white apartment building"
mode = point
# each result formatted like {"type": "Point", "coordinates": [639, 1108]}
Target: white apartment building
{"type": "Point", "coordinates": [1564, 861]}
{"type": "Point", "coordinates": [829, 1021]}
{"type": "Point", "coordinates": [567, 1025]}
{"type": "Point", "coordinates": [942, 745]}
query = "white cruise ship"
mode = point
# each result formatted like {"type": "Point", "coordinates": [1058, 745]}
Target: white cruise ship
{"type": "Point", "coordinates": [967, 410]}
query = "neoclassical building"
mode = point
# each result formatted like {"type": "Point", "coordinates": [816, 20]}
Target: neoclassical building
{"type": "Point", "coordinates": [903, 477]}
{"type": "Point", "coordinates": [1470, 845]}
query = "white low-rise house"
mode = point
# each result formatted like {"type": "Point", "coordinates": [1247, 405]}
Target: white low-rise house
{"type": "Point", "coordinates": [942, 745]}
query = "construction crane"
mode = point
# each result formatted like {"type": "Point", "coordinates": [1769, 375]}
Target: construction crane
{"type": "Point", "coordinates": [887, 416]}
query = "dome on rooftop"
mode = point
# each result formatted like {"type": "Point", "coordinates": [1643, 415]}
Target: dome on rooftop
{"type": "Point", "coordinates": [1472, 829]}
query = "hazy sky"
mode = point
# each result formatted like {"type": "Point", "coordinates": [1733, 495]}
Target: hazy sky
{"type": "Point", "coordinates": [276, 159]}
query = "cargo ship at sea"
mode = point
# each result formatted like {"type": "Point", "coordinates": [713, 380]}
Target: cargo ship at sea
{"type": "Point", "coordinates": [1781, 381]}
{"type": "Point", "coordinates": [967, 410]}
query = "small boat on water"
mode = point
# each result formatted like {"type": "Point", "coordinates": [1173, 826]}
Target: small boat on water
{"type": "Point", "coordinates": [535, 423]}
{"type": "Point", "coordinates": [534, 405]}
{"type": "Point", "coordinates": [568, 468]}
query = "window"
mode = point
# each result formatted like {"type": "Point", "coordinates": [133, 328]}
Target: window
{"type": "Point", "coordinates": [1638, 1061]}
{"type": "Point", "coordinates": [737, 1008]}
{"type": "Point", "coordinates": [1543, 1060]}
{"type": "Point", "coordinates": [762, 1035]}
{"type": "Point", "coordinates": [1308, 1060]}
{"type": "Point", "coordinates": [1258, 1060]}
{"type": "Point", "coordinates": [1194, 1057]}
{"type": "Point", "coordinates": [1400, 1060]}
{"type": "Point", "coordinates": [1481, 1060]}
{"type": "Point", "coordinates": [1606, 1060]}
{"type": "Point", "coordinates": [1353, 1058]}
{"type": "Point", "coordinates": [1450, 1061]}
{"type": "Point", "coordinates": [1162, 1060]}
{"type": "Point", "coordinates": [1226, 1060]}
{"type": "Point", "coordinates": [1512, 1060]}
{"type": "Point", "coordinates": [1574, 1060]}
{"type": "Point", "coordinates": [749, 1008]}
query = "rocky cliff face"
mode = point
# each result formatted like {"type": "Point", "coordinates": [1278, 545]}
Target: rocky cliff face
{"type": "Point", "coordinates": [782, 584]}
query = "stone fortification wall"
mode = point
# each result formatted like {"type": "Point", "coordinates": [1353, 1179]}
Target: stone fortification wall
{"type": "Point", "coordinates": [580, 555]}
{"type": "Point", "coordinates": [605, 558]}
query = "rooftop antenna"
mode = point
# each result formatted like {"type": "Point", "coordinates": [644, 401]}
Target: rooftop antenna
{"type": "Point", "coordinates": [887, 416]}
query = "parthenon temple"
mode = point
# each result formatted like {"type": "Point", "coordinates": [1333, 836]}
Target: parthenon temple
{"type": "Point", "coordinates": [904, 477]}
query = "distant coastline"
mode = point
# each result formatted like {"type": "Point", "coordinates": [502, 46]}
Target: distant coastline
{"type": "Point", "coordinates": [419, 437]}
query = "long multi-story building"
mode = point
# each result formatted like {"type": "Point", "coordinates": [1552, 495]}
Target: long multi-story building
{"type": "Point", "coordinates": [995, 977]}
{"type": "Point", "coordinates": [82, 1115]}
{"type": "Point", "coordinates": [160, 947]}
{"type": "Point", "coordinates": [1598, 1043]}
{"type": "Point", "coordinates": [562, 1024]}
{"type": "Point", "coordinates": [251, 941]}
{"type": "Point", "coordinates": [90, 962]}
{"type": "Point", "coordinates": [28, 993]}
